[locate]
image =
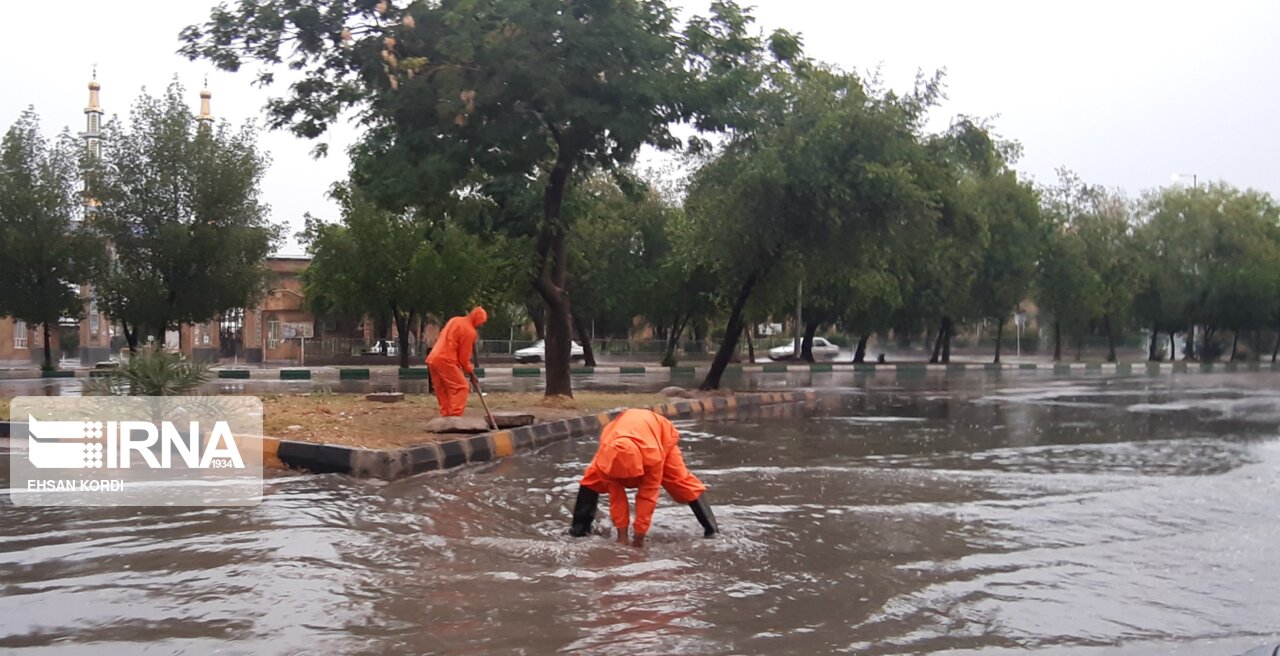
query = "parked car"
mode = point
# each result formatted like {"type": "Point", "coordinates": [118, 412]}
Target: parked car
{"type": "Point", "coordinates": [822, 350]}
{"type": "Point", "coordinates": [385, 347]}
{"type": "Point", "coordinates": [537, 352]}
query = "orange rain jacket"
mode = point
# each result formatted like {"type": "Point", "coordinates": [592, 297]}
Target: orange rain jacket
{"type": "Point", "coordinates": [451, 357]}
{"type": "Point", "coordinates": [640, 450]}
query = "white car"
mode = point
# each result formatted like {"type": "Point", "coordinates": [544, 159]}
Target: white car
{"type": "Point", "coordinates": [822, 350]}
{"type": "Point", "coordinates": [537, 352]}
{"type": "Point", "coordinates": [385, 347]}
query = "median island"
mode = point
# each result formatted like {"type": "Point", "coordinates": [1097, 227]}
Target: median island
{"type": "Point", "coordinates": [351, 420]}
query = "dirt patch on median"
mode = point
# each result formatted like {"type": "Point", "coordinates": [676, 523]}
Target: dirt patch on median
{"type": "Point", "coordinates": [350, 420]}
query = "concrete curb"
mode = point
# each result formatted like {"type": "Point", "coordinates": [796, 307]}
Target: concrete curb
{"type": "Point", "coordinates": [391, 464]}
{"type": "Point", "coordinates": [335, 374]}
{"type": "Point", "coordinates": [901, 368]}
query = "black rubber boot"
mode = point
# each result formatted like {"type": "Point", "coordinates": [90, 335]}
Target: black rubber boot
{"type": "Point", "coordinates": [584, 512]}
{"type": "Point", "coordinates": [702, 510]}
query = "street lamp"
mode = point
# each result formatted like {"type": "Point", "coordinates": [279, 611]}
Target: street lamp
{"type": "Point", "coordinates": [1195, 181]}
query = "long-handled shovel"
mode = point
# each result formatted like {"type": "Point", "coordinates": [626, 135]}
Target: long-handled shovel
{"type": "Point", "coordinates": [492, 422]}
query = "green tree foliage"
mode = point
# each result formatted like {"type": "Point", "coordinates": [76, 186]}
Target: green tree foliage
{"type": "Point", "coordinates": [834, 164]}
{"type": "Point", "coordinates": [47, 252]}
{"type": "Point", "coordinates": [377, 262]}
{"type": "Point", "coordinates": [1214, 261]}
{"type": "Point", "coordinates": [1067, 290]}
{"type": "Point", "coordinates": [607, 256]}
{"type": "Point", "coordinates": [1014, 243]}
{"type": "Point", "coordinates": [542, 88]}
{"type": "Point", "coordinates": [180, 207]}
{"type": "Point", "coordinates": [1091, 268]}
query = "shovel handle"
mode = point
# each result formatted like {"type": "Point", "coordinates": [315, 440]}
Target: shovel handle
{"type": "Point", "coordinates": [485, 404]}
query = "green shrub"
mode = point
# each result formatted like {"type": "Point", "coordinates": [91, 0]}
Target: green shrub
{"type": "Point", "coordinates": [150, 372]}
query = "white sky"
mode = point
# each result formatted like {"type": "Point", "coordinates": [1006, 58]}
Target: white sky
{"type": "Point", "coordinates": [1123, 92]}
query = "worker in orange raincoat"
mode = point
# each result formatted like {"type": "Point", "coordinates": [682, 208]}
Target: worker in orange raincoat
{"type": "Point", "coordinates": [450, 358]}
{"type": "Point", "coordinates": [638, 450]}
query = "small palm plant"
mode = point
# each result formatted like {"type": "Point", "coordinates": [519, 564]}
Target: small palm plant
{"type": "Point", "coordinates": [150, 372]}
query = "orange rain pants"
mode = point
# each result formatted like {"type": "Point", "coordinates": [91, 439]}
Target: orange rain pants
{"type": "Point", "coordinates": [450, 358]}
{"type": "Point", "coordinates": [655, 452]}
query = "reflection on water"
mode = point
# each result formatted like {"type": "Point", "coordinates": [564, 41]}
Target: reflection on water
{"type": "Point", "coordinates": [937, 515]}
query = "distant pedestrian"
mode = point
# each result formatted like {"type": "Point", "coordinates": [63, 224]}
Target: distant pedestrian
{"type": "Point", "coordinates": [450, 359]}
{"type": "Point", "coordinates": [638, 450]}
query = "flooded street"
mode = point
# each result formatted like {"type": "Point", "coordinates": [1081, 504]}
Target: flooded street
{"type": "Point", "coordinates": [939, 514]}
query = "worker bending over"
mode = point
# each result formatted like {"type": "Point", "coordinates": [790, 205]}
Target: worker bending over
{"type": "Point", "coordinates": [638, 450]}
{"type": "Point", "coordinates": [450, 358]}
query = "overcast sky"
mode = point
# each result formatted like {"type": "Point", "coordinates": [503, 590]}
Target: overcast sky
{"type": "Point", "coordinates": [1124, 93]}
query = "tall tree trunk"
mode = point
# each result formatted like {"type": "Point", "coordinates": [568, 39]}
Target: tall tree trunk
{"type": "Point", "coordinates": [402, 320]}
{"type": "Point", "coordinates": [48, 352]}
{"type": "Point", "coordinates": [584, 338]}
{"type": "Point", "coordinates": [1276, 351]}
{"type": "Point", "coordinates": [1057, 340]}
{"type": "Point", "coordinates": [806, 347]}
{"type": "Point", "coordinates": [860, 354]}
{"type": "Point", "coordinates": [999, 338]}
{"type": "Point", "coordinates": [948, 329]}
{"type": "Point", "coordinates": [1235, 341]}
{"type": "Point", "coordinates": [1111, 339]}
{"type": "Point", "coordinates": [1151, 350]}
{"type": "Point", "coordinates": [130, 336]}
{"type": "Point", "coordinates": [730, 345]}
{"type": "Point", "coordinates": [673, 341]}
{"type": "Point", "coordinates": [1173, 348]}
{"type": "Point", "coordinates": [937, 344]}
{"type": "Point", "coordinates": [751, 343]}
{"type": "Point", "coordinates": [1204, 346]}
{"type": "Point", "coordinates": [1191, 342]}
{"type": "Point", "coordinates": [551, 269]}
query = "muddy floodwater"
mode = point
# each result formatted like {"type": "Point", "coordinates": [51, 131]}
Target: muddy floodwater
{"type": "Point", "coordinates": [949, 515]}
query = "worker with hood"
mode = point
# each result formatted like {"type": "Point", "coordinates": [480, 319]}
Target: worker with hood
{"type": "Point", "coordinates": [639, 449]}
{"type": "Point", "coordinates": [450, 358]}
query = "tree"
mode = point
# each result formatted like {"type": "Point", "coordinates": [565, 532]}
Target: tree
{"type": "Point", "coordinates": [524, 88]}
{"type": "Point", "coordinates": [1007, 267]}
{"type": "Point", "coordinates": [179, 205]}
{"type": "Point", "coordinates": [47, 251]}
{"type": "Point", "coordinates": [1066, 288]}
{"type": "Point", "coordinates": [1215, 261]}
{"type": "Point", "coordinates": [607, 255]}
{"type": "Point", "coordinates": [832, 164]}
{"type": "Point", "coordinates": [948, 254]}
{"type": "Point", "coordinates": [1106, 230]}
{"type": "Point", "coordinates": [1170, 239]}
{"type": "Point", "coordinates": [377, 262]}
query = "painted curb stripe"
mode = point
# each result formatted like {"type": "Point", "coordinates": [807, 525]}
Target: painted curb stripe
{"type": "Point", "coordinates": [502, 444]}
{"type": "Point", "coordinates": [452, 454]}
{"type": "Point", "coordinates": [478, 449]}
